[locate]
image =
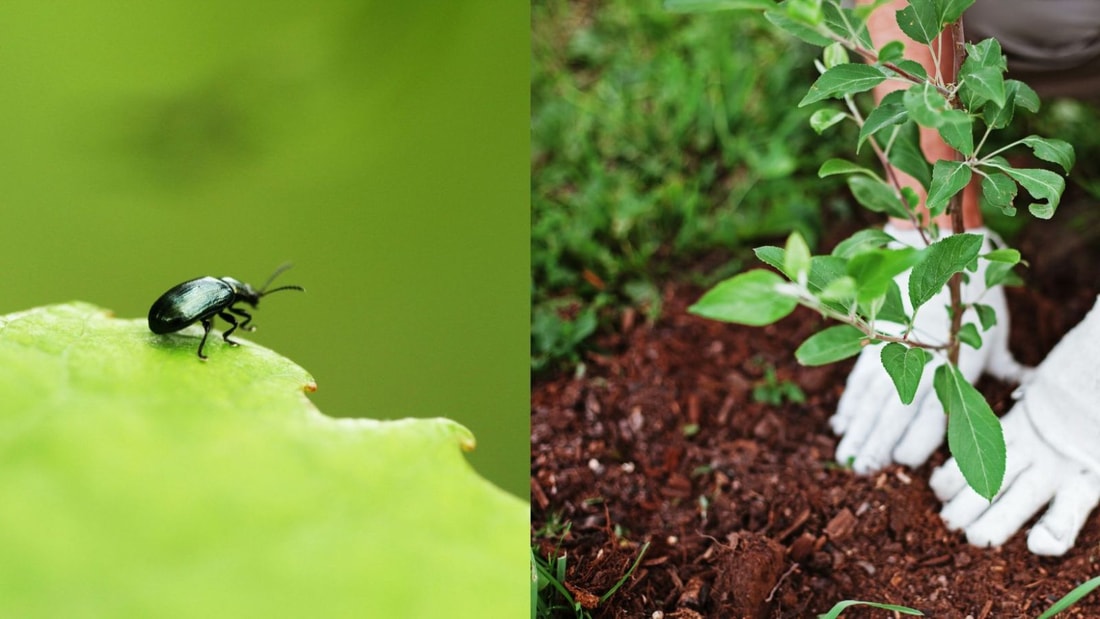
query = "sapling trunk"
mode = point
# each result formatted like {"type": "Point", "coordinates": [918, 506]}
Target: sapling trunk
{"type": "Point", "coordinates": [955, 208]}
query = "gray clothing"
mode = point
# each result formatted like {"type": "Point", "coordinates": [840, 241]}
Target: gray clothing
{"type": "Point", "coordinates": [1052, 45]}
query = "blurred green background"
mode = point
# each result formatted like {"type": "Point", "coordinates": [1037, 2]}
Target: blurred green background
{"type": "Point", "coordinates": [380, 146]}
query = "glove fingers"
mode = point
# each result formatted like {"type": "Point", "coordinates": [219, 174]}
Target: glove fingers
{"type": "Point", "coordinates": [1057, 530]}
{"type": "Point", "coordinates": [924, 435]}
{"type": "Point", "coordinates": [858, 444]}
{"type": "Point", "coordinates": [1019, 502]}
{"type": "Point", "coordinates": [856, 399]}
{"type": "Point", "coordinates": [962, 505]}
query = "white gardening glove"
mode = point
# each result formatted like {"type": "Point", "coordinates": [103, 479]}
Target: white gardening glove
{"type": "Point", "coordinates": [877, 428]}
{"type": "Point", "coordinates": [1052, 436]}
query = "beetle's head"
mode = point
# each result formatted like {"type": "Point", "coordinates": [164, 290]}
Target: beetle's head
{"type": "Point", "coordinates": [252, 297]}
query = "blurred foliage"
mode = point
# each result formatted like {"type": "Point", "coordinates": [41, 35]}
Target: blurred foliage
{"type": "Point", "coordinates": [656, 139]}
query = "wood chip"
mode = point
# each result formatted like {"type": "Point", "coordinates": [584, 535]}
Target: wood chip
{"type": "Point", "coordinates": [842, 525]}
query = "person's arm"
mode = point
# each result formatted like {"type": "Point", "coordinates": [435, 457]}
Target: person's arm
{"type": "Point", "coordinates": [883, 27]}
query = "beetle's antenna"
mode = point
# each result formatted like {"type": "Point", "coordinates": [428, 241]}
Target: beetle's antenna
{"type": "Point", "coordinates": [264, 293]}
{"type": "Point", "coordinates": [279, 270]}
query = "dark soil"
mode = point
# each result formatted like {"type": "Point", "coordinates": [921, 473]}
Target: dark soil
{"type": "Point", "coordinates": [746, 514]}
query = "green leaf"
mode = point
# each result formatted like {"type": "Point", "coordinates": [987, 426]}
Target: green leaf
{"type": "Point", "coordinates": [861, 241]}
{"type": "Point", "coordinates": [942, 259]}
{"type": "Point", "coordinates": [951, 10]}
{"type": "Point", "coordinates": [832, 167]}
{"type": "Point", "coordinates": [890, 111]}
{"type": "Point", "coordinates": [847, 24]}
{"type": "Point", "coordinates": [998, 190]}
{"type": "Point", "coordinates": [986, 315]}
{"type": "Point", "coordinates": [891, 52]}
{"type": "Point", "coordinates": [843, 79]}
{"type": "Point", "coordinates": [873, 270]}
{"type": "Point", "coordinates": [840, 607]}
{"type": "Point", "coordinates": [1072, 597]}
{"type": "Point", "coordinates": [920, 21]}
{"type": "Point", "coordinates": [141, 481]}
{"type": "Point", "coordinates": [913, 68]}
{"type": "Point", "coordinates": [877, 196]}
{"type": "Point", "coordinates": [905, 366]}
{"type": "Point", "coordinates": [751, 298]}
{"type": "Point", "coordinates": [841, 289]}
{"type": "Point", "coordinates": [1054, 151]}
{"type": "Point", "coordinates": [925, 104]}
{"type": "Point", "coordinates": [1042, 185]}
{"type": "Point", "coordinates": [957, 129]}
{"type": "Point", "coordinates": [831, 344]}
{"type": "Point", "coordinates": [1000, 273]}
{"type": "Point", "coordinates": [822, 119]}
{"type": "Point", "coordinates": [780, 20]}
{"type": "Point", "coordinates": [982, 74]}
{"type": "Point", "coordinates": [796, 260]}
{"type": "Point", "coordinates": [907, 156]}
{"type": "Point", "coordinates": [834, 55]}
{"type": "Point", "coordinates": [968, 334]}
{"type": "Point", "coordinates": [698, 6]}
{"type": "Point", "coordinates": [948, 179]}
{"type": "Point", "coordinates": [1025, 96]}
{"type": "Point", "coordinates": [893, 310]}
{"type": "Point", "coordinates": [1005, 254]}
{"type": "Point", "coordinates": [974, 433]}
{"type": "Point", "coordinates": [805, 11]}
{"type": "Point", "coordinates": [823, 269]}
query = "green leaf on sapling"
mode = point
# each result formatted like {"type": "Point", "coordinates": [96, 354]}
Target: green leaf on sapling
{"type": "Point", "coordinates": [906, 155]}
{"type": "Point", "coordinates": [893, 309]}
{"type": "Point", "coordinates": [920, 21]}
{"type": "Point", "coordinates": [699, 6]}
{"type": "Point", "coordinates": [877, 196]}
{"type": "Point", "coordinates": [801, 31]}
{"type": "Point", "coordinates": [1001, 274]}
{"type": "Point", "coordinates": [1052, 150]}
{"type": "Point", "coordinates": [957, 129]}
{"type": "Point", "coordinates": [804, 11]}
{"type": "Point", "coordinates": [998, 190]}
{"type": "Point", "coordinates": [925, 104]}
{"type": "Point", "coordinates": [891, 52]}
{"type": "Point", "coordinates": [752, 298]}
{"type": "Point", "coordinates": [796, 258]}
{"type": "Point", "coordinates": [968, 334]}
{"type": "Point", "coordinates": [986, 315]}
{"type": "Point", "coordinates": [861, 241]}
{"type": "Point", "coordinates": [873, 270]}
{"type": "Point", "coordinates": [847, 24]}
{"type": "Point", "coordinates": [890, 111]}
{"type": "Point", "coordinates": [948, 178]}
{"type": "Point", "coordinates": [841, 290]}
{"type": "Point", "coordinates": [1004, 254]}
{"type": "Point", "coordinates": [832, 167]}
{"type": "Point", "coordinates": [822, 119]}
{"type": "Point", "coordinates": [912, 67]}
{"type": "Point", "coordinates": [834, 54]}
{"type": "Point", "coordinates": [951, 10]}
{"type": "Point", "coordinates": [843, 79]}
{"type": "Point", "coordinates": [831, 344]}
{"type": "Point", "coordinates": [974, 433]}
{"type": "Point", "coordinates": [982, 75]}
{"type": "Point", "coordinates": [143, 482]}
{"type": "Point", "coordinates": [905, 366]}
{"type": "Point", "coordinates": [942, 259]}
{"type": "Point", "coordinates": [1042, 185]}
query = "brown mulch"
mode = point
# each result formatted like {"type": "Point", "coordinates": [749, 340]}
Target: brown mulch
{"type": "Point", "coordinates": [746, 514]}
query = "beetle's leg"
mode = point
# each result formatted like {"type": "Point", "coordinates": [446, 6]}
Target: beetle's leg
{"type": "Point", "coordinates": [207, 323]}
{"type": "Point", "coordinates": [247, 318]}
{"type": "Point", "coordinates": [232, 321]}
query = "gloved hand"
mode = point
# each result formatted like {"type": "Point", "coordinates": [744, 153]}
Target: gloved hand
{"type": "Point", "coordinates": [1052, 436]}
{"type": "Point", "coordinates": [877, 428]}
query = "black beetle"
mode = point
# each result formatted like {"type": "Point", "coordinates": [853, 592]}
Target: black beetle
{"type": "Point", "coordinates": [198, 300]}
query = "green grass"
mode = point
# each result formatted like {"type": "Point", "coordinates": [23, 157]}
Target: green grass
{"type": "Point", "coordinates": [658, 138]}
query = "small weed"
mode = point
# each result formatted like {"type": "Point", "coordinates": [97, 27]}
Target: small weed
{"type": "Point", "coordinates": [773, 390]}
{"type": "Point", "coordinates": [548, 585]}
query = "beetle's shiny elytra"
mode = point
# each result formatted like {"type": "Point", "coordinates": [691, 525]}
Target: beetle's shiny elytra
{"type": "Point", "coordinates": [199, 300]}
